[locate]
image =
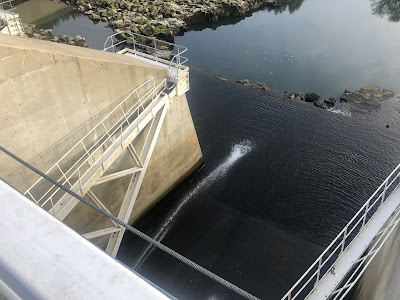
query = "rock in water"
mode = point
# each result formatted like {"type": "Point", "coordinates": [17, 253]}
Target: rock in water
{"type": "Point", "coordinates": [325, 103]}
{"type": "Point", "coordinates": [367, 97]}
{"type": "Point", "coordinates": [312, 97]}
{"type": "Point", "coordinates": [353, 97]}
{"type": "Point", "coordinates": [244, 81]}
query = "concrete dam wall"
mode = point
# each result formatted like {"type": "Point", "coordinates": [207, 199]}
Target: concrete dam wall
{"type": "Point", "coordinates": [53, 94]}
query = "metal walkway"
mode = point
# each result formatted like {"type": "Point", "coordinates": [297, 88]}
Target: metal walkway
{"type": "Point", "coordinates": [344, 261]}
{"type": "Point", "coordinates": [162, 54]}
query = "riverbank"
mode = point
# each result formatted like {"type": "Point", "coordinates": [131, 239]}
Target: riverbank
{"type": "Point", "coordinates": [163, 19]}
{"type": "Point", "coordinates": [48, 35]}
{"type": "Point", "coordinates": [367, 98]}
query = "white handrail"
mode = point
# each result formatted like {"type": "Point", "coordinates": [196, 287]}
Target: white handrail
{"type": "Point", "coordinates": [344, 238]}
{"type": "Point", "coordinates": [180, 60]}
{"type": "Point", "coordinates": [90, 152]}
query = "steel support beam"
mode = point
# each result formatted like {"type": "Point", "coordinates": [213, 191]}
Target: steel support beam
{"type": "Point", "coordinates": [135, 156]}
{"type": "Point", "coordinates": [117, 175]}
{"type": "Point", "coordinates": [101, 232]}
{"type": "Point", "coordinates": [97, 201]}
{"type": "Point", "coordinates": [137, 179]}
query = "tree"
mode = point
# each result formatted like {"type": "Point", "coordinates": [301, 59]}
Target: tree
{"type": "Point", "coordinates": [391, 8]}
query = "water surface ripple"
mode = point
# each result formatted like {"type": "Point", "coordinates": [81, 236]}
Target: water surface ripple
{"type": "Point", "coordinates": [281, 179]}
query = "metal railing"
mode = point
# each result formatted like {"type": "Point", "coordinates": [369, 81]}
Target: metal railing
{"type": "Point", "coordinates": [324, 263]}
{"type": "Point", "coordinates": [10, 18]}
{"type": "Point", "coordinates": [151, 48]}
{"type": "Point", "coordinates": [73, 165]}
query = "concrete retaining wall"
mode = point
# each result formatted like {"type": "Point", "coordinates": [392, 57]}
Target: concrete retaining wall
{"type": "Point", "coordinates": [52, 94]}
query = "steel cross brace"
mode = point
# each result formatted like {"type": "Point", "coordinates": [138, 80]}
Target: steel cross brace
{"type": "Point", "coordinates": [137, 179]}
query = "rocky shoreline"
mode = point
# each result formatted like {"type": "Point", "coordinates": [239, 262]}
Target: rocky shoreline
{"type": "Point", "coordinates": [164, 19]}
{"type": "Point", "coordinates": [368, 97]}
{"type": "Point", "coordinates": [48, 35]}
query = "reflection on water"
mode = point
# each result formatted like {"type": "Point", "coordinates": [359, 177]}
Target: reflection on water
{"type": "Point", "coordinates": [391, 8]}
{"type": "Point", "coordinates": [290, 5]}
{"type": "Point", "coordinates": [311, 50]}
{"type": "Point", "coordinates": [287, 5]}
{"type": "Point", "coordinates": [40, 11]}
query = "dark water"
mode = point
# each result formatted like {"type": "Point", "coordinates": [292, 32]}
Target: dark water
{"type": "Point", "coordinates": [280, 180]}
{"type": "Point", "coordinates": [309, 45]}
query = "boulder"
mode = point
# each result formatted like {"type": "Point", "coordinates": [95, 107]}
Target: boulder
{"type": "Point", "coordinates": [147, 30]}
{"type": "Point", "coordinates": [312, 97]}
{"type": "Point", "coordinates": [353, 97]}
{"type": "Point", "coordinates": [48, 32]}
{"type": "Point", "coordinates": [81, 9]}
{"type": "Point", "coordinates": [244, 82]}
{"type": "Point", "coordinates": [111, 12]}
{"type": "Point", "coordinates": [369, 89]}
{"type": "Point", "coordinates": [325, 103]}
{"type": "Point", "coordinates": [95, 17]}
{"type": "Point", "coordinates": [80, 41]}
{"type": "Point", "coordinates": [300, 96]}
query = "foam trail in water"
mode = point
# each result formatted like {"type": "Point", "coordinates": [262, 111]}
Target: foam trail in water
{"type": "Point", "coordinates": [238, 151]}
{"type": "Point", "coordinates": [342, 111]}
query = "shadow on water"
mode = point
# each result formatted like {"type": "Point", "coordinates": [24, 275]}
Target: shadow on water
{"type": "Point", "coordinates": [390, 8]}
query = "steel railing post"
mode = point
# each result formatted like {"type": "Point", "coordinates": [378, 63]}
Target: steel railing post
{"type": "Point", "coordinates": [384, 191]}
{"type": "Point", "coordinates": [319, 269]}
{"type": "Point", "coordinates": [80, 182]}
{"type": "Point", "coordinates": [121, 135]}
{"type": "Point", "coordinates": [344, 240]}
{"type": "Point", "coordinates": [365, 214]}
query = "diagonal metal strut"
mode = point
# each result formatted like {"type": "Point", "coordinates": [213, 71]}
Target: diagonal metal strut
{"type": "Point", "coordinates": [136, 181]}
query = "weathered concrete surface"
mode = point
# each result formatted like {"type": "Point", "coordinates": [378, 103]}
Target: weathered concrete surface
{"type": "Point", "coordinates": [48, 91]}
{"type": "Point", "coordinates": [53, 94]}
{"type": "Point", "coordinates": [381, 279]}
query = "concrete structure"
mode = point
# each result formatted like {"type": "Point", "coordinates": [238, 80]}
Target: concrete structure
{"type": "Point", "coordinates": [53, 94]}
{"type": "Point", "coordinates": [62, 264]}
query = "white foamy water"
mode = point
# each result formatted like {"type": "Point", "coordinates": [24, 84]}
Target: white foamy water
{"type": "Point", "coordinates": [342, 111]}
{"type": "Point", "coordinates": [238, 151]}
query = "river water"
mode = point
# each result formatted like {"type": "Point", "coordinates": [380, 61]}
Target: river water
{"type": "Point", "coordinates": [281, 178]}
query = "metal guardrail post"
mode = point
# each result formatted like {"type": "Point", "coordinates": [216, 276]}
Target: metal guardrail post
{"type": "Point", "coordinates": [319, 269]}
{"type": "Point", "coordinates": [344, 240]}
{"type": "Point", "coordinates": [365, 214]}
{"type": "Point", "coordinates": [384, 191]}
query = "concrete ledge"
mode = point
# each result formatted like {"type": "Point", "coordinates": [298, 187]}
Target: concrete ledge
{"type": "Point", "coordinates": [44, 259]}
